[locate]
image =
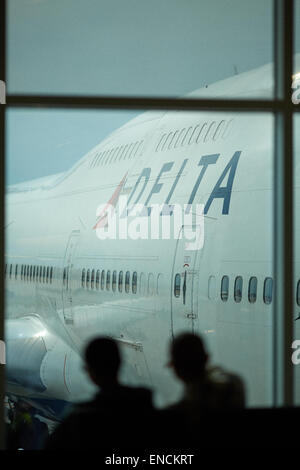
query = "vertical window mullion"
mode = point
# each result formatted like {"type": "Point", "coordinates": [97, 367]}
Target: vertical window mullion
{"type": "Point", "coordinates": [283, 206]}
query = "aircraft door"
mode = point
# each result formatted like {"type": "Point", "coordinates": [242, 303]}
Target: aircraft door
{"type": "Point", "coordinates": [67, 277]}
{"type": "Point", "coordinates": [184, 285]}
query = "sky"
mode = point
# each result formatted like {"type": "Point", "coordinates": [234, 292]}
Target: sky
{"type": "Point", "coordinates": [118, 47]}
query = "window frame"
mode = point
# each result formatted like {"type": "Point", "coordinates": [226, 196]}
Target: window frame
{"type": "Point", "coordinates": [283, 110]}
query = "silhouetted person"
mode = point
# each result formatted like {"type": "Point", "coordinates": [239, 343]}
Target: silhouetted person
{"type": "Point", "coordinates": [207, 392]}
{"type": "Point", "coordinates": [118, 417]}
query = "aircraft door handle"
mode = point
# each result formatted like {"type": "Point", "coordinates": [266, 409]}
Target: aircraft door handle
{"type": "Point", "coordinates": [184, 288]}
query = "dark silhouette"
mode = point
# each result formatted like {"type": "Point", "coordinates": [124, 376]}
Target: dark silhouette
{"type": "Point", "coordinates": [205, 387]}
{"type": "Point", "coordinates": [118, 418]}
{"type": "Point", "coordinates": [208, 393]}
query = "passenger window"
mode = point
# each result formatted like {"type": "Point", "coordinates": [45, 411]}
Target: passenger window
{"type": "Point", "coordinates": [193, 134]}
{"type": "Point", "coordinates": [47, 276]}
{"type": "Point", "coordinates": [142, 284]}
{"type": "Point", "coordinates": [16, 271]}
{"type": "Point", "coordinates": [238, 289]}
{"type": "Point", "coordinates": [173, 139]}
{"type": "Point", "coordinates": [130, 148]}
{"type": "Point", "coordinates": [127, 282]}
{"type": "Point", "coordinates": [115, 158]}
{"type": "Point", "coordinates": [51, 275]}
{"type": "Point", "coordinates": [186, 135]}
{"type": "Point", "coordinates": [178, 138]}
{"type": "Point", "coordinates": [5, 270]}
{"type": "Point", "coordinates": [98, 279]}
{"type": "Point", "coordinates": [33, 274]}
{"type": "Point", "coordinates": [120, 284]}
{"type": "Point", "coordinates": [102, 279]}
{"type": "Point", "coordinates": [31, 269]}
{"type": "Point", "coordinates": [134, 282]}
{"type": "Point", "coordinates": [107, 157]}
{"type": "Point", "coordinates": [135, 149]}
{"type": "Point", "coordinates": [27, 274]}
{"type": "Point", "coordinates": [212, 287]}
{"type": "Point", "coordinates": [114, 281]}
{"type": "Point", "coordinates": [83, 278]}
{"type": "Point", "coordinates": [224, 288]}
{"type": "Point", "coordinates": [210, 131]}
{"type": "Point", "coordinates": [108, 280]}
{"type": "Point", "coordinates": [252, 292]}
{"type": "Point", "coordinates": [64, 276]}
{"type": "Point", "coordinates": [160, 142]}
{"type": "Point", "coordinates": [124, 152]}
{"type": "Point", "coordinates": [88, 278]}
{"type": "Point", "coordinates": [10, 271]}
{"type": "Point", "coordinates": [93, 279]}
{"type": "Point", "coordinates": [111, 155]}
{"type": "Point", "coordinates": [159, 284]}
{"type": "Point", "coordinates": [121, 152]}
{"type": "Point", "coordinates": [140, 148]}
{"type": "Point", "coordinates": [167, 141]}
{"type": "Point", "coordinates": [201, 132]}
{"type": "Point", "coordinates": [150, 284]}
{"type": "Point", "coordinates": [41, 273]}
{"type": "Point", "coordinates": [219, 130]}
{"type": "Point", "coordinates": [298, 293]}
{"type": "Point", "coordinates": [268, 290]}
{"type": "Point", "coordinates": [177, 282]}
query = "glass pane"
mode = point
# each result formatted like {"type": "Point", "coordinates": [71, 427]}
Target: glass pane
{"type": "Point", "coordinates": [229, 172]}
{"type": "Point", "coordinates": [98, 279]}
{"type": "Point", "coordinates": [224, 288]}
{"type": "Point", "coordinates": [68, 135]}
{"type": "Point", "coordinates": [150, 284]}
{"type": "Point", "coordinates": [138, 47]}
{"type": "Point", "coordinates": [102, 279]}
{"type": "Point", "coordinates": [120, 286]}
{"type": "Point", "coordinates": [127, 282]}
{"type": "Point", "coordinates": [134, 282]}
{"type": "Point", "coordinates": [83, 278]}
{"type": "Point", "coordinates": [114, 281]}
{"type": "Point", "coordinates": [268, 290]}
{"type": "Point", "coordinates": [252, 289]}
{"type": "Point", "coordinates": [142, 284]}
{"type": "Point", "coordinates": [108, 280]}
{"type": "Point", "coordinates": [93, 279]}
{"type": "Point", "coordinates": [88, 279]}
{"type": "Point", "coordinates": [238, 289]}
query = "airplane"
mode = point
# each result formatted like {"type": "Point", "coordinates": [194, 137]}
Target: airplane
{"type": "Point", "coordinates": [65, 285]}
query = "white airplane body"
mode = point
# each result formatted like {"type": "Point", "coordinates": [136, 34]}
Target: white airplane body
{"type": "Point", "coordinates": [59, 294]}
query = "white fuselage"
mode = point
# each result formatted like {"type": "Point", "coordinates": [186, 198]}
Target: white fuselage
{"type": "Point", "coordinates": [51, 313]}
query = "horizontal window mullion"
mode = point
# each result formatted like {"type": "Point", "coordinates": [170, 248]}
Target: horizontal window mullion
{"type": "Point", "coordinates": [102, 102]}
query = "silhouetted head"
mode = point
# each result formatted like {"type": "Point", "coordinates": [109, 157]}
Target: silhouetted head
{"type": "Point", "coordinates": [103, 360]}
{"type": "Point", "coordinates": [188, 357]}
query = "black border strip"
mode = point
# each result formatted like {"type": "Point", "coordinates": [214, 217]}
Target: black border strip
{"type": "Point", "coordinates": [2, 214]}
